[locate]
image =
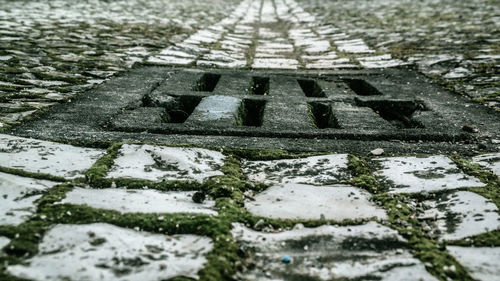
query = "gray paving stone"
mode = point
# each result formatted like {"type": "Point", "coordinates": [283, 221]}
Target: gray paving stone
{"type": "Point", "coordinates": [461, 214]}
{"type": "Point", "coordinates": [313, 170]}
{"type": "Point", "coordinates": [417, 174]}
{"type": "Point", "coordinates": [157, 163]}
{"type": "Point", "coordinates": [18, 196]}
{"type": "Point", "coordinates": [46, 157]}
{"type": "Point", "coordinates": [117, 254]}
{"type": "Point", "coordinates": [139, 201]}
{"type": "Point", "coordinates": [490, 161]}
{"type": "Point", "coordinates": [309, 202]}
{"type": "Point", "coordinates": [483, 263]}
{"type": "Point", "coordinates": [362, 252]}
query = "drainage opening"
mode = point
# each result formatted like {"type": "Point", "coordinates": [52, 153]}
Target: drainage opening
{"type": "Point", "coordinates": [311, 88]}
{"type": "Point", "coordinates": [323, 116]}
{"type": "Point", "coordinates": [362, 88]}
{"type": "Point", "coordinates": [251, 112]}
{"type": "Point", "coordinates": [207, 82]}
{"type": "Point", "coordinates": [397, 112]}
{"type": "Point", "coordinates": [260, 86]}
{"type": "Point", "coordinates": [181, 109]}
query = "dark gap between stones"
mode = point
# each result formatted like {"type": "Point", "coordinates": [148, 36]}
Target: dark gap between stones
{"type": "Point", "coordinates": [398, 113]}
{"type": "Point", "coordinates": [311, 88]}
{"type": "Point", "coordinates": [251, 112]}
{"type": "Point", "coordinates": [207, 82]}
{"type": "Point", "coordinates": [260, 86]}
{"type": "Point", "coordinates": [182, 109]}
{"type": "Point", "coordinates": [323, 116]}
{"type": "Point", "coordinates": [362, 88]}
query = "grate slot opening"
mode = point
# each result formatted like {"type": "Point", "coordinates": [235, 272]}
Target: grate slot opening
{"type": "Point", "coordinates": [252, 112]}
{"type": "Point", "coordinates": [323, 116]}
{"type": "Point", "coordinates": [260, 86]}
{"type": "Point", "coordinates": [179, 111]}
{"type": "Point", "coordinates": [207, 82]}
{"type": "Point", "coordinates": [398, 113]}
{"type": "Point", "coordinates": [311, 88]}
{"type": "Point", "coordinates": [362, 88]}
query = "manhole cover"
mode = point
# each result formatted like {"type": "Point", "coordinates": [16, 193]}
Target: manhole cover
{"type": "Point", "coordinates": [295, 110]}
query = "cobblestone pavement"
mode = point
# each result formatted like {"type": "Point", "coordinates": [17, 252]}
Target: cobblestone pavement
{"type": "Point", "coordinates": [136, 211]}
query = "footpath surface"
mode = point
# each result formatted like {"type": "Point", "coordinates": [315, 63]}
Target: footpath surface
{"type": "Point", "coordinates": [131, 210]}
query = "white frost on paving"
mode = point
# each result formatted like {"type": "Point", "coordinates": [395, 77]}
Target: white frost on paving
{"type": "Point", "coordinates": [46, 157]}
{"type": "Point", "coordinates": [490, 161]}
{"type": "Point", "coordinates": [312, 170]}
{"type": "Point", "coordinates": [417, 174]}
{"type": "Point", "coordinates": [472, 214]}
{"type": "Point", "coordinates": [139, 201]}
{"type": "Point", "coordinates": [3, 242]}
{"type": "Point", "coordinates": [275, 63]}
{"type": "Point", "coordinates": [381, 61]}
{"type": "Point", "coordinates": [102, 251]}
{"type": "Point", "coordinates": [157, 163]}
{"type": "Point", "coordinates": [355, 46]}
{"type": "Point", "coordinates": [366, 252]}
{"type": "Point", "coordinates": [299, 201]}
{"type": "Point", "coordinates": [18, 196]}
{"type": "Point", "coordinates": [483, 263]}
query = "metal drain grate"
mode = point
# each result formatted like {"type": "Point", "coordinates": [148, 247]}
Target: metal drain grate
{"type": "Point", "coordinates": [245, 107]}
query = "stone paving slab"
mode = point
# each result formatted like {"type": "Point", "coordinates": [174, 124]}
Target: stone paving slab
{"type": "Point", "coordinates": [117, 254]}
{"type": "Point", "coordinates": [139, 201]}
{"type": "Point", "coordinates": [18, 197]}
{"type": "Point", "coordinates": [157, 163]}
{"type": "Point", "coordinates": [3, 242]}
{"type": "Point", "coordinates": [369, 251]}
{"type": "Point", "coordinates": [51, 158]}
{"type": "Point", "coordinates": [309, 202]}
{"type": "Point", "coordinates": [482, 262]}
{"type": "Point", "coordinates": [491, 161]}
{"type": "Point", "coordinates": [418, 174]}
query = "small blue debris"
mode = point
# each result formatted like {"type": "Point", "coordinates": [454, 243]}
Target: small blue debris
{"type": "Point", "coordinates": [286, 259]}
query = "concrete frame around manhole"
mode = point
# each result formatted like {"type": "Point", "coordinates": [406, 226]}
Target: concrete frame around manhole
{"type": "Point", "coordinates": [346, 111]}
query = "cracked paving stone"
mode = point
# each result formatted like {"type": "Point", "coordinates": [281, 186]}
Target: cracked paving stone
{"type": "Point", "coordinates": [117, 254]}
{"type": "Point", "coordinates": [417, 174]}
{"type": "Point", "coordinates": [483, 263]}
{"type": "Point", "coordinates": [490, 161]}
{"type": "Point", "coordinates": [52, 158]}
{"type": "Point", "coordinates": [18, 196]}
{"type": "Point", "coordinates": [139, 201]}
{"type": "Point", "coordinates": [363, 252]}
{"type": "Point", "coordinates": [299, 201]}
{"type": "Point", "coordinates": [157, 163]}
{"type": "Point", "coordinates": [460, 214]}
{"type": "Point", "coordinates": [312, 170]}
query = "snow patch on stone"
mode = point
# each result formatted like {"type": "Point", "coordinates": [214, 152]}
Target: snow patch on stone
{"type": "Point", "coordinates": [157, 163]}
{"type": "Point", "coordinates": [275, 63]}
{"type": "Point", "coordinates": [312, 170]}
{"type": "Point", "coordinates": [417, 174]}
{"type": "Point", "coordinates": [299, 201]}
{"type": "Point", "coordinates": [483, 263]}
{"type": "Point", "coordinates": [3, 242]}
{"type": "Point", "coordinates": [139, 201]}
{"type": "Point", "coordinates": [117, 254]}
{"type": "Point", "coordinates": [490, 161]}
{"type": "Point", "coordinates": [368, 251]}
{"type": "Point", "coordinates": [18, 196]}
{"type": "Point", "coordinates": [46, 157]}
{"type": "Point", "coordinates": [472, 214]}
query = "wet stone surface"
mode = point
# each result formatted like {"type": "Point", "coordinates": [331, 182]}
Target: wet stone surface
{"type": "Point", "coordinates": [368, 251]}
{"type": "Point", "coordinates": [418, 174]}
{"type": "Point", "coordinates": [309, 202]}
{"type": "Point", "coordinates": [117, 254]}
{"type": "Point", "coordinates": [157, 163]}
{"type": "Point", "coordinates": [313, 170]}
{"type": "Point", "coordinates": [139, 201]}
{"type": "Point", "coordinates": [51, 158]}
{"type": "Point", "coordinates": [482, 262]}
{"type": "Point", "coordinates": [18, 197]}
{"type": "Point", "coordinates": [460, 214]}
